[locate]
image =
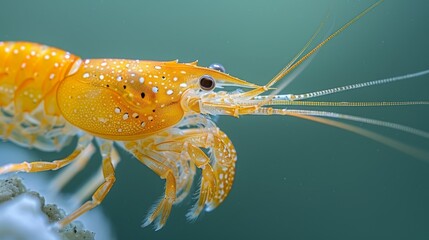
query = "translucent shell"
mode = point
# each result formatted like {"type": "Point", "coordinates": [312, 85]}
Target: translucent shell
{"type": "Point", "coordinates": [122, 99]}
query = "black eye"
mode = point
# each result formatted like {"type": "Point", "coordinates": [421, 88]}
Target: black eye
{"type": "Point", "coordinates": [217, 66]}
{"type": "Point", "coordinates": [207, 83]}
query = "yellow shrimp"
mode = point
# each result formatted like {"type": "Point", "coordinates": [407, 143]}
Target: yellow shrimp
{"type": "Point", "coordinates": [158, 111]}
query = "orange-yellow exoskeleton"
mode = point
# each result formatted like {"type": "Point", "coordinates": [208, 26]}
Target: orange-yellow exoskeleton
{"type": "Point", "coordinates": [158, 111]}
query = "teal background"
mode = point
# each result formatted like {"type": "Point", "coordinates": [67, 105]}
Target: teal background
{"type": "Point", "coordinates": [295, 179]}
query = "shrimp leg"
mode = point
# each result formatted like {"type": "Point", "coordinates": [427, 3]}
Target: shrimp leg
{"type": "Point", "coordinates": [64, 177]}
{"type": "Point", "coordinates": [162, 210]}
{"type": "Point", "coordinates": [186, 145]}
{"type": "Point", "coordinates": [95, 181]}
{"type": "Point", "coordinates": [208, 185]}
{"type": "Point", "coordinates": [103, 189]}
{"type": "Point", "coordinates": [217, 174]}
{"type": "Point", "coordinates": [40, 166]}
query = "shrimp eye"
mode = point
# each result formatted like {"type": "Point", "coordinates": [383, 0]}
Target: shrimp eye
{"type": "Point", "coordinates": [207, 83]}
{"type": "Point", "coordinates": [217, 66]}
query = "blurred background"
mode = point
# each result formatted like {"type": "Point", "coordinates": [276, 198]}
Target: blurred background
{"type": "Point", "coordinates": [295, 179]}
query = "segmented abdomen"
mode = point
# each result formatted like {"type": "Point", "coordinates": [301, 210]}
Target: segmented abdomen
{"type": "Point", "coordinates": [29, 76]}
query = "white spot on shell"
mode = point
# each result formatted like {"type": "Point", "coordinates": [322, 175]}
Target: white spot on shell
{"type": "Point", "coordinates": [103, 64]}
{"type": "Point", "coordinates": [158, 67]}
{"type": "Point", "coordinates": [169, 92]}
{"type": "Point", "coordinates": [183, 85]}
{"type": "Point", "coordinates": [86, 61]}
{"type": "Point", "coordinates": [155, 89]}
{"type": "Point", "coordinates": [86, 75]}
{"type": "Point", "coordinates": [125, 116]}
{"type": "Point", "coordinates": [117, 110]}
{"type": "Point", "coordinates": [141, 79]}
{"type": "Point", "coordinates": [142, 124]}
{"type": "Point", "coordinates": [52, 76]}
{"type": "Point", "coordinates": [101, 77]}
{"type": "Point", "coordinates": [119, 129]}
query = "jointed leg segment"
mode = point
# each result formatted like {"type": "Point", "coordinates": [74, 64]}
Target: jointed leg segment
{"type": "Point", "coordinates": [84, 143]}
{"type": "Point", "coordinates": [102, 191]}
{"type": "Point", "coordinates": [164, 157]}
{"type": "Point", "coordinates": [76, 166]}
{"type": "Point", "coordinates": [208, 180]}
{"type": "Point", "coordinates": [92, 184]}
{"type": "Point", "coordinates": [222, 165]}
{"type": "Point", "coordinates": [39, 166]}
{"type": "Point", "coordinates": [162, 210]}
